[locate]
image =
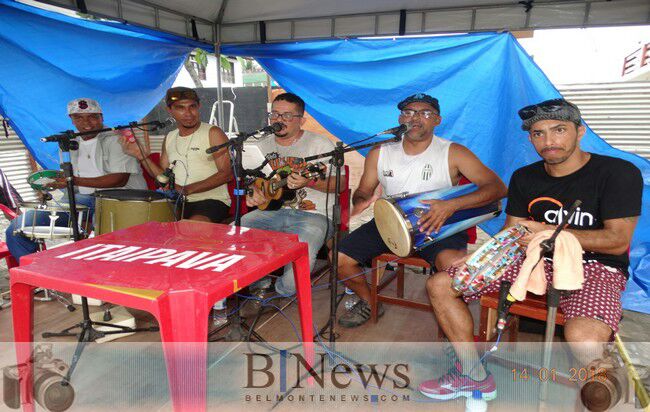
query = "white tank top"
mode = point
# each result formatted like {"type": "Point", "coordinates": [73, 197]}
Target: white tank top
{"type": "Point", "coordinates": [193, 164]}
{"type": "Point", "coordinates": [402, 173]}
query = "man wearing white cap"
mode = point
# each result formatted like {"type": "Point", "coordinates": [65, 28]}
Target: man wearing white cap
{"type": "Point", "coordinates": [99, 163]}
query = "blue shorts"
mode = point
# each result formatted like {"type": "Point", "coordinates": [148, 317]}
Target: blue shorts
{"type": "Point", "coordinates": [365, 243]}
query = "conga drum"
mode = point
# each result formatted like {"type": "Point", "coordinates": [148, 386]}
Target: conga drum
{"type": "Point", "coordinates": [397, 216]}
{"type": "Point", "coordinates": [117, 209]}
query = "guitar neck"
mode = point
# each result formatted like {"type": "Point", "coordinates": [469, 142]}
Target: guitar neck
{"type": "Point", "coordinates": [283, 182]}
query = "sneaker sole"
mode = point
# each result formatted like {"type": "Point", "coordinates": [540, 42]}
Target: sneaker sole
{"type": "Point", "coordinates": [488, 396]}
{"type": "Point", "coordinates": [347, 325]}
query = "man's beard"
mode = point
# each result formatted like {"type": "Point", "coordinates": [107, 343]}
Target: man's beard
{"type": "Point", "coordinates": [562, 159]}
{"type": "Point", "coordinates": [191, 126]}
{"type": "Point", "coordinates": [417, 136]}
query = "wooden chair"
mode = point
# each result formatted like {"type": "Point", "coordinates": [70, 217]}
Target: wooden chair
{"type": "Point", "coordinates": [533, 307]}
{"type": "Point", "coordinates": [377, 283]}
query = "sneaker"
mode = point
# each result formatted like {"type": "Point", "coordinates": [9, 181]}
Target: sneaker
{"type": "Point", "coordinates": [454, 384]}
{"type": "Point", "coordinates": [359, 314]}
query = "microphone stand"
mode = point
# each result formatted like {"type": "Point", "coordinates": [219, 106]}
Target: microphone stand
{"type": "Point", "coordinates": [87, 332]}
{"type": "Point", "coordinates": [337, 160]}
{"type": "Point", "coordinates": [552, 298]}
{"type": "Point", "coordinates": [237, 325]}
{"type": "Point", "coordinates": [69, 134]}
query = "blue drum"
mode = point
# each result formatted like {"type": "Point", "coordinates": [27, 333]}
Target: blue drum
{"type": "Point", "coordinates": [396, 218]}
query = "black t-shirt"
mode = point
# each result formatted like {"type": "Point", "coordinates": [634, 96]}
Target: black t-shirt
{"type": "Point", "coordinates": [609, 188]}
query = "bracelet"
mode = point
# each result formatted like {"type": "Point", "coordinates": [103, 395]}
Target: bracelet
{"type": "Point", "coordinates": [143, 159]}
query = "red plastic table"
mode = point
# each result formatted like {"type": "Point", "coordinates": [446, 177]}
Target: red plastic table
{"type": "Point", "coordinates": [176, 271]}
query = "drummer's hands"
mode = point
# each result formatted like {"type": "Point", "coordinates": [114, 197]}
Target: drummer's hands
{"type": "Point", "coordinates": [362, 204]}
{"type": "Point", "coordinates": [256, 199]}
{"type": "Point", "coordinates": [130, 147]}
{"type": "Point", "coordinates": [460, 261]}
{"type": "Point", "coordinates": [295, 181]}
{"type": "Point", "coordinates": [534, 228]}
{"type": "Point", "coordinates": [439, 212]}
{"type": "Point", "coordinates": [59, 183]}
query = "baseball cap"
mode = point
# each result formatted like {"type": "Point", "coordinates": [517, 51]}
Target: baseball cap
{"type": "Point", "coordinates": [180, 93]}
{"type": "Point", "coordinates": [83, 105]}
{"type": "Point", "coordinates": [420, 98]}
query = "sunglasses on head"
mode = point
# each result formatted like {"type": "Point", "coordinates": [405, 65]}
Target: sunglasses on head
{"type": "Point", "coordinates": [549, 106]}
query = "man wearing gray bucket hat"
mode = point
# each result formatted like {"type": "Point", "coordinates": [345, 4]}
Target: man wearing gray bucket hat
{"type": "Point", "coordinates": [539, 197]}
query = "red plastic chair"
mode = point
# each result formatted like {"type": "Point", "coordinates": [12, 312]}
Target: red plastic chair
{"type": "Point", "coordinates": [346, 195]}
{"type": "Point", "coordinates": [151, 181]}
{"type": "Point", "coordinates": [4, 251]}
{"type": "Point", "coordinates": [471, 232]}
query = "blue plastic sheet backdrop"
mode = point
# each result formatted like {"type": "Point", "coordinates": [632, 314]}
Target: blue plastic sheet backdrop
{"type": "Point", "coordinates": [49, 59]}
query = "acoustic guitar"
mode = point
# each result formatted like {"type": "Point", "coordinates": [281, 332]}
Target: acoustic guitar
{"type": "Point", "coordinates": [274, 189]}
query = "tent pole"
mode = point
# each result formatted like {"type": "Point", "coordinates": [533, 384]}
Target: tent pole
{"type": "Point", "coordinates": [217, 53]}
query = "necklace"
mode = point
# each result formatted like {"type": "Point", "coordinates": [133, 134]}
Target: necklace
{"type": "Point", "coordinates": [188, 139]}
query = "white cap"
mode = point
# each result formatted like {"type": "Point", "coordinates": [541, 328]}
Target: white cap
{"type": "Point", "coordinates": [83, 105]}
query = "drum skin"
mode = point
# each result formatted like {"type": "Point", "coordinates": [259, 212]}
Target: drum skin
{"type": "Point", "coordinates": [121, 208]}
{"type": "Point", "coordinates": [396, 218]}
{"type": "Point", "coordinates": [49, 231]}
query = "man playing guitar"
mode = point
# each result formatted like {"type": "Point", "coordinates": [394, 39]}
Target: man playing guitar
{"type": "Point", "coordinates": [306, 215]}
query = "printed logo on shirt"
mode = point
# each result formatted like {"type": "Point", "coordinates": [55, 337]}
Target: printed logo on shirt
{"type": "Point", "coordinates": [553, 211]}
{"type": "Point", "coordinates": [427, 172]}
{"type": "Point", "coordinates": [195, 148]}
{"type": "Point", "coordinates": [388, 173]}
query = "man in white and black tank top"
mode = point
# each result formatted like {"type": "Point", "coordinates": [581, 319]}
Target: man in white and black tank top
{"type": "Point", "coordinates": [200, 177]}
{"type": "Point", "coordinates": [421, 162]}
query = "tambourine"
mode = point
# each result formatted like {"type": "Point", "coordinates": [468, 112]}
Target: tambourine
{"type": "Point", "coordinates": [490, 261]}
{"type": "Point", "coordinates": [44, 179]}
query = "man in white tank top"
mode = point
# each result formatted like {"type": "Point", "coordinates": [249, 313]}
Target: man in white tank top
{"type": "Point", "coordinates": [421, 162]}
{"type": "Point", "coordinates": [200, 177]}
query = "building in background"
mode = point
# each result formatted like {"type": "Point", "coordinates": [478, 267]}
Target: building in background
{"type": "Point", "coordinates": [636, 65]}
{"type": "Point", "coordinates": [231, 74]}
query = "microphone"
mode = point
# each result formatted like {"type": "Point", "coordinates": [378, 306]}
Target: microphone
{"type": "Point", "coordinates": [55, 138]}
{"type": "Point", "coordinates": [166, 175]}
{"type": "Point", "coordinates": [161, 125]}
{"type": "Point", "coordinates": [273, 128]}
{"type": "Point", "coordinates": [505, 301]}
{"type": "Point", "coordinates": [397, 131]}
{"type": "Point", "coordinates": [549, 244]}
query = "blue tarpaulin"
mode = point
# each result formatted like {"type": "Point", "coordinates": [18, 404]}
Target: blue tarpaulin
{"type": "Point", "coordinates": [352, 87]}
{"type": "Point", "coordinates": [49, 59]}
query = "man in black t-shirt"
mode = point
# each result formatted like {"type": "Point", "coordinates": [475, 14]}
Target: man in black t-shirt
{"type": "Point", "coordinates": [539, 194]}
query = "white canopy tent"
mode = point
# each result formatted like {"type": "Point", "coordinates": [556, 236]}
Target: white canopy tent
{"type": "Point", "coordinates": [218, 22]}
{"type": "Point", "coordinates": [253, 21]}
